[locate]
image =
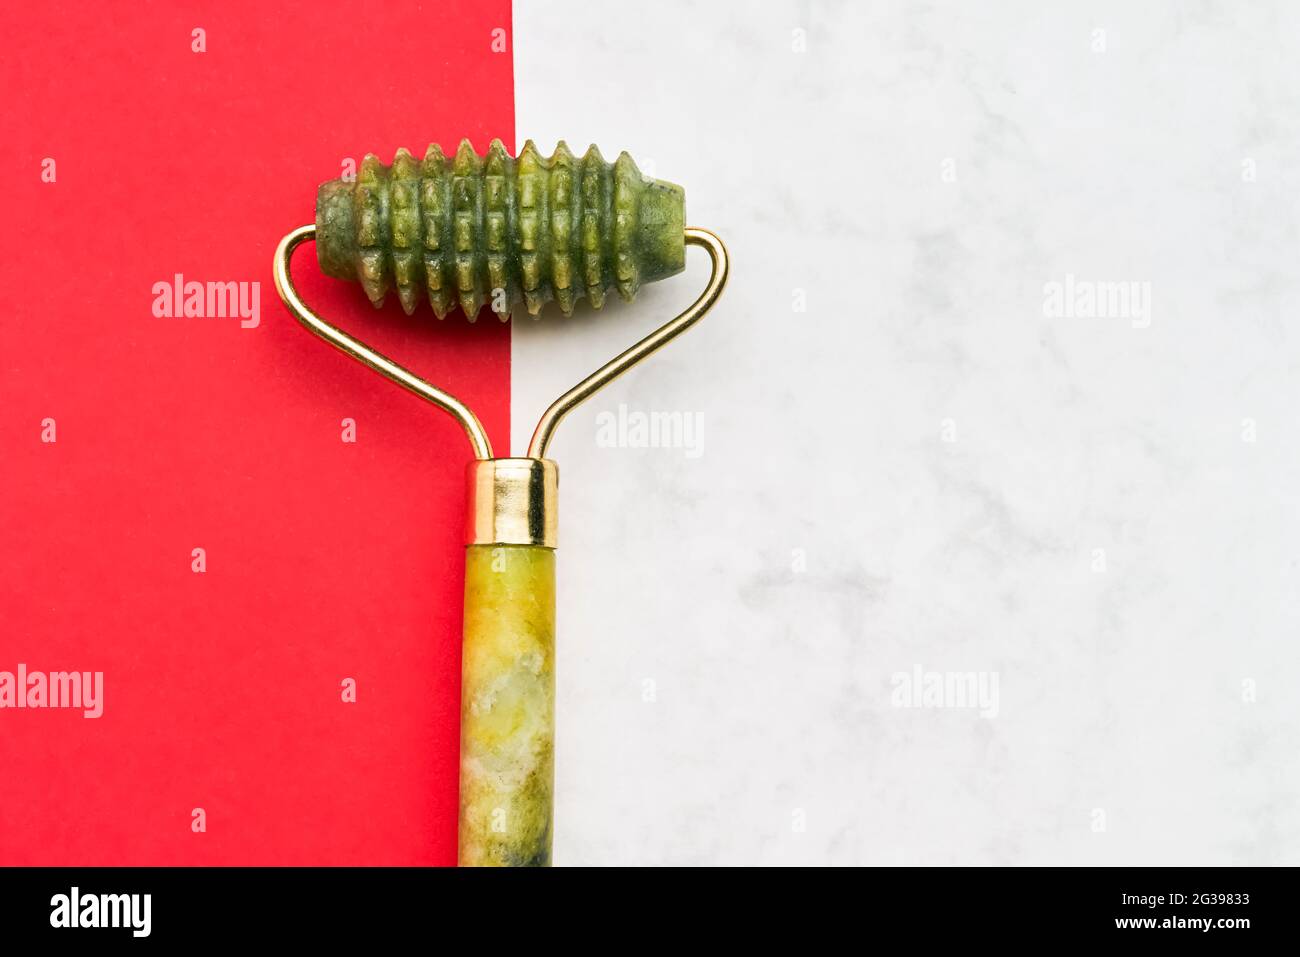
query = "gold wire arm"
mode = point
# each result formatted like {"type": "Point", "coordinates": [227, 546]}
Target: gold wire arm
{"type": "Point", "coordinates": [660, 337]}
{"type": "Point", "coordinates": [358, 350]}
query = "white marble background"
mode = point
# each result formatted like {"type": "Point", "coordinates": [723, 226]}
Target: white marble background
{"type": "Point", "coordinates": [921, 467]}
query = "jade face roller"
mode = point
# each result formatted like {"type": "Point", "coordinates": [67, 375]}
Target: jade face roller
{"type": "Point", "coordinates": [496, 230]}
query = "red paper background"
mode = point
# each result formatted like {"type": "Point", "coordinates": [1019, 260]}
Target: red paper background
{"type": "Point", "coordinates": [325, 560]}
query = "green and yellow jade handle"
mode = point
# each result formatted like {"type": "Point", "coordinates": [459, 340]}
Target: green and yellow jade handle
{"type": "Point", "coordinates": [471, 231]}
{"type": "Point", "coordinates": [507, 716]}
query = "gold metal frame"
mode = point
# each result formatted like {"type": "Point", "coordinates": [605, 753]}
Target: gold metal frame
{"type": "Point", "coordinates": [512, 501]}
{"type": "Point", "coordinates": [558, 409]}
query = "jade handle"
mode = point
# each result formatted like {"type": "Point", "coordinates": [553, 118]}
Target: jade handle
{"type": "Point", "coordinates": [507, 716]}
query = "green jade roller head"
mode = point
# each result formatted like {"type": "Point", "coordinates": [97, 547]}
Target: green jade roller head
{"type": "Point", "coordinates": [497, 230]}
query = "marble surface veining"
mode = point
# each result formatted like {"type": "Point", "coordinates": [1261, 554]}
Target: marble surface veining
{"type": "Point", "coordinates": [964, 531]}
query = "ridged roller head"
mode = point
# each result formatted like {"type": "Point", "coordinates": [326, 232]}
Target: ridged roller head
{"type": "Point", "coordinates": [494, 230]}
